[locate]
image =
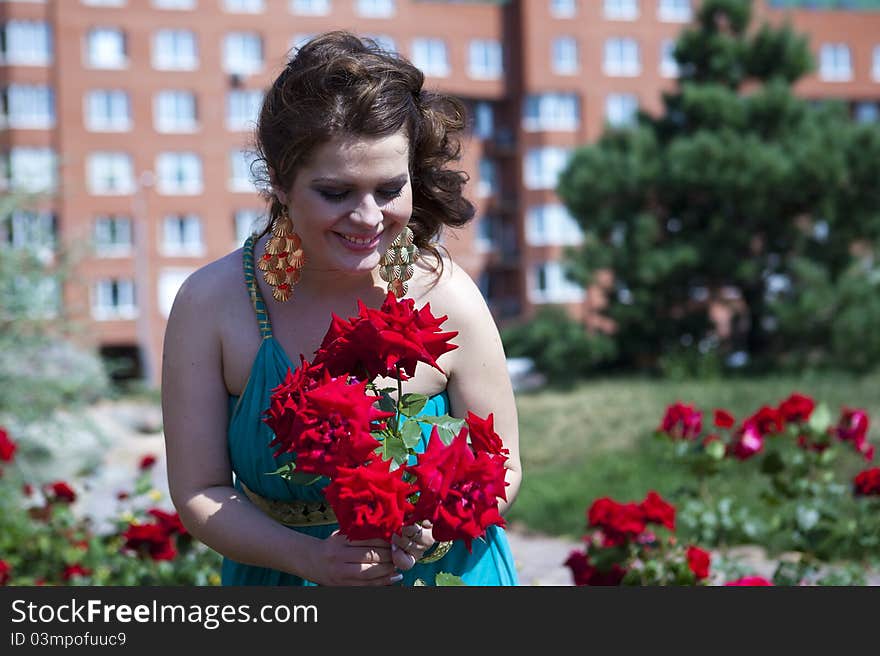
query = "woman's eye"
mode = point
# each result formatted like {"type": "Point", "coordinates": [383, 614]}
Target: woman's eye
{"type": "Point", "coordinates": [332, 195]}
{"type": "Point", "coordinates": [391, 194]}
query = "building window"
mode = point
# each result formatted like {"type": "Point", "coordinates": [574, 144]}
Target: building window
{"type": "Point", "coordinates": [175, 50]}
{"type": "Point", "coordinates": [26, 43]}
{"type": "Point", "coordinates": [543, 166]}
{"type": "Point", "coordinates": [32, 169]}
{"type": "Point", "coordinates": [182, 236]}
{"type": "Point", "coordinates": [243, 108]}
{"type": "Point", "coordinates": [486, 235]}
{"type": "Point", "coordinates": [621, 109]}
{"type": "Point", "coordinates": [485, 60]}
{"type": "Point", "coordinates": [375, 8]}
{"type": "Point", "coordinates": [563, 8]}
{"type": "Point", "coordinates": [299, 40]}
{"type": "Point", "coordinates": [835, 63]}
{"type": "Point", "coordinates": [245, 224]}
{"type": "Point", "coordinates": [551, 111]}
{"type": "Point", "coordinates": [564, 55]}
{"type": "Point", "coordinates": [170, 281]}
{"type": "Point", "coordinates": [429, 55]}
{"type": "Point", "coordinates": [549, 284]}
{"type": "Point", "coordinates": [179, 173]}
{"type": "Point", "coordinates": [174, 4]}
{"type": "Point", "coordinates": [875, 64]}
{"type": "Point", "coordinates": [552, 225]}
{"type": "Point", "coordinates": [27, 106]}
{"type": "Point", "coordinates": [110, 174]}
{"type": "Point", "coordinates": [108, 110]}
{"type": "Point", "coordinates": [242, 53]}
{"type": "Point", "coordinates": [668, 63]}
{"type": "Point", "coordinates": [113, 298]}
{"type": "Point", "coordinates": [621, 9]}
{"type": "Point", "coordinates": [244, 6]}
{"type": "Point", "coordinates": [383, 42]}
{"type": "Point", "coordinates": [243, 175]}
{"type": "Point", "coordinates": [104, 3]}
{"type": "Point", "coordinates": [487, 185]}
{"type": "Point", "coordinates": [674, 11]}
{"type": "Point", "coordinates": [174, 111]}
{"type": "Point", "coordinates": [112, 236]}
{"type": "Point", "coordinates": [33, 231]}
{"type": "Point", "coordinates": [622, 58]}
{"type": "Point", "coordinates": [310, 7]}
{"type": "Point", "coordinates": [105, 48]}
{"type": "Point", "coordinates": [484, 120]}
{"type": "Point", "coordinates": [866, 112]}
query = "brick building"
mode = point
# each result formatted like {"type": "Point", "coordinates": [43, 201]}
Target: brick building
{"type": "Point", "coordinates": [132, 118]}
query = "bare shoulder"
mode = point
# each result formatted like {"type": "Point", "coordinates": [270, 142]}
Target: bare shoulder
{"type": "Point", "coordinates": [205, 291]}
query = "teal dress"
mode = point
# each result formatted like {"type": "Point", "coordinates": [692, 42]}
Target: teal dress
{"type": "Point", "coordinates": [490, 561]}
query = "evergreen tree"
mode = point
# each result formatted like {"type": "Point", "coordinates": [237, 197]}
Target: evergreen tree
{"type": "Point", "coordinates": [739, 192]}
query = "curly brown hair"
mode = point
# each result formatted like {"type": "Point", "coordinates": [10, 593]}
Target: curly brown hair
{"type": "Point", "coordinates": [339, 84]}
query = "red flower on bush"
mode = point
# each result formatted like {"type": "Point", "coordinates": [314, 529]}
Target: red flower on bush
{"type": "Point", "coordinates": [750, 581]}
{"type": "Point", "coordinates": [169, 522]}
{"type": "Point", "coordinates": [60, 491]}
{"type": "Point", "coordinates": [619, 522]}
{"type": "Point", "coordinates": [71, 571]}
{"type": "Point", "coordinates": [747, 441]}
{"type": "Point", "coordinates": [658, 511]}
{"type": "Point", "coordinates": [681, 421]}
{"type": "Point", "coordinates": [458, 490]}
{"type": "Point", "coordinates": [378, 342]}
{"type": "Point", "coordinates": [147, 462]}
{"type": "Point", "coordinates": [867, 482]}
{"type": "Point", "coordinates": [327, 426]}
{"type": "Point", "coordinates": [5, 572]}
{"type": "Point", "coordinates": [853, 427]}
{"type": "Point", "coordinates": [7, 446]}
{"type": "Point", "coordinates": [585, 573]}
{"type": "Point", "coordinates": [767, 421]}
{"type": "Point", "coordinates": [698, 562]}
{"type": "Point", "coordinates": [151, 540]}
{"type": "Point", "coordinates": [797, 408]}
{"type": "Point", "coordinates": [370, 501]}
{"type": "Point", "coordinates": [723, 419]}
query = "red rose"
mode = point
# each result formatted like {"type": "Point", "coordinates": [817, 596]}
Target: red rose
{"type": "Point", "coordinates": [853, 427]}
{"type": "Point", "coordinates": [750, 581]}
{"type": "Point", "coordinates": [7, 446]}
{"type": "Point", "coordinates": [698, 562]}
{"type": "Point", "coordinates": [747, 442]}
{"type": "Point", "coordinates": [797, 408]}
{"type": "Point", "coordinates": [584, 573]}
{"type": "Point", "coordinates": [681, 421]}
{"type": "Point", "coordinates": [169, 522]}
{"type": "Point", "coordinates": [767, 421]}
{"type": "Point", "coordinates": [482, 434]}
{"type": "Point", "coordinates": [5, 572]}
{"type": "Point", "coordinates": [458, 490]}
{"type": "Point", "coordinates": [27, 489]}
{"type": "Point", "coordinates": [370, 501]}
{"type": "Point", "coordinates": [149, 539]}
{"type": "Point", "coordinates": [71, 571]}
{"type": "Point", "coordinates": [867, 482]}
{"type": "Point", "coordinates": [657, 510]}
{"type": "Point", "coordinates": [723, 419]}
{"type": "Point", "coordinates": [327, 426]}
{"type": "Point", "coordinates": [620, 522]}
{"type": "Point", "coordinates": [60, 491]}
{"type": "Point", "coordinates": [147, 462]}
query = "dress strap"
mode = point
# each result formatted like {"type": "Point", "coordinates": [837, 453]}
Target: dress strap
{"type": "Point", "coordinates": [254, 290]}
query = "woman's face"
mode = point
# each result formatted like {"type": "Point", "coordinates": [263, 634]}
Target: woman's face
{"type": "Point", "coordinates": [350, 201]}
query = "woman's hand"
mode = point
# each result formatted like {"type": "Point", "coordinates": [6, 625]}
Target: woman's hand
{"type": "Point", "coordinates": [340, 561]}
{"type": "Point", "coordinates": [414, 541]}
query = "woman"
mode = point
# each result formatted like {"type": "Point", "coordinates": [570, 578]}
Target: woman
{"type": "Point", "coordinates": [356, 155]}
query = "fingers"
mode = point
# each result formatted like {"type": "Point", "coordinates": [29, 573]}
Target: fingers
{"type": "Point", "coordinates": [374, 554]}
{"type": "Point", "coordinates": [402, 559]}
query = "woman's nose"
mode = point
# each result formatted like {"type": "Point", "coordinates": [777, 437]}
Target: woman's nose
{"type": "Point", "coordinates": [368, 211]}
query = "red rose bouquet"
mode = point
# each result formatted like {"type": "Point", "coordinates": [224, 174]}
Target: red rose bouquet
{"type": "Point", "coordinates": [338, 423]}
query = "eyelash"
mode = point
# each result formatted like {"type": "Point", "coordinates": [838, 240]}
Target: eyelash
{"type": "Point", "coordinates": [337, 197]}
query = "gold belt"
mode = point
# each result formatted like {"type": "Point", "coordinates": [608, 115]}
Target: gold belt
{"type": "Point", "coordinates": [293, 513]}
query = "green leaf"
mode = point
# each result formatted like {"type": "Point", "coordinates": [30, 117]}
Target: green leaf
{"type": "Point", "coordinates": [445, 579]}
{"type": "Point", "coordinates": [448, 427]}
{"type": "Point", "coordinates": [820, 420]}
{"type": "Point", "coordinates": [394, 448]}
{"type": "Point", "coordinates": [386, 403]}
{"type": "Point", "coordinates": [411, 433]}
{"type": "Point", "coordinates": [412, 404]}
{"type": "Point", "coordinates": [772, 463]}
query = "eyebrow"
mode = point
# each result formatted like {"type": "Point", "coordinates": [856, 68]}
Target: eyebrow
{"type": "Point", "coordinates": [400, 179]}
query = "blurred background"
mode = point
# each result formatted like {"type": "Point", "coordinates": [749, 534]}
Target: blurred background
{"type": "Point", "coordinates": [677, 199]}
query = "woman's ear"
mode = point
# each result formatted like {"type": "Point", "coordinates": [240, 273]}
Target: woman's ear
{"type": "Point", "coordinates": [276, 190]}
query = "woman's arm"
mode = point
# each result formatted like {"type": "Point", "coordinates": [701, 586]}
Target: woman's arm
{"type": "Point", "coordinates": [477, 369]}
{"type": "Point", "coordinates": [194, 408]}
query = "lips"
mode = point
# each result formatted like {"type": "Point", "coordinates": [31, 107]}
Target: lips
{"type": "Point", "coordinates": [358, 243]}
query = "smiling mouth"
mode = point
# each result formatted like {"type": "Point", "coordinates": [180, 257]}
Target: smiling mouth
{"type": "Point", "coordinates": [359, 241]}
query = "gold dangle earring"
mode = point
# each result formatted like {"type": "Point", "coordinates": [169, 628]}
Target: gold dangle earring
{"type": "Point", "coordinates": [283, 257]}
{"type": "Point", "coordinates": [396, 264]}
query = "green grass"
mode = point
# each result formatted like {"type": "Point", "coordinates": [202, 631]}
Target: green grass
{"type": "Point", "coordinates": [595, 439]}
